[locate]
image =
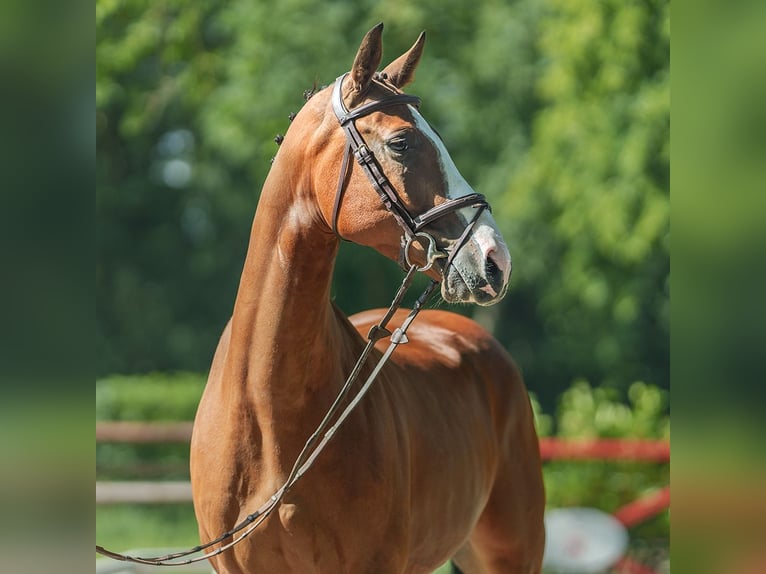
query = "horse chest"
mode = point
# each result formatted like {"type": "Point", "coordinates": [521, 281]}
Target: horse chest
{"type": "Point", "coordinates": [329, 526]}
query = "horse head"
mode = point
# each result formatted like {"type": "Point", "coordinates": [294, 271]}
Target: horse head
{"type": "Point", "coordinates": [384, 178]}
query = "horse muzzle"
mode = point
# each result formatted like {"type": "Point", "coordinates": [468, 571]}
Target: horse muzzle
{"type": "Point", "coordinates": [480, 271]}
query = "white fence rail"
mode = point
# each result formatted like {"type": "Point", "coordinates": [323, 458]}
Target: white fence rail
{"type": "Point", "coordinates": [114, 492]}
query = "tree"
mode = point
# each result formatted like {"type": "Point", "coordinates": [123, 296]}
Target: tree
{"type": "Point", "coordinates": [590, 202]}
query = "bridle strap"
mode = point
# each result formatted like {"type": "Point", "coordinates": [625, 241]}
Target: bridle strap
{"type": "Point", "coordinates": [381, 184]}
{"type": "Point", "coordinates": [345, 116]}
{"type": "Point", "coordinates": [364, 156]}
{"type": "Point", "coordinates": [462, 239]}
{"type": "Point", "coordinates": [470, 200]}
{"type": "Point", "coordinates": [340, 189]}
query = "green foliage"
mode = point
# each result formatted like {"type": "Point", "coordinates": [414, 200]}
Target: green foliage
{"type": "Point", "coordinates": [585, 412]}
{"type": "Point", "coordinates": [125, 526]}
{"type": "Point", "coordinates": [590, 205]}
{"type": "Point", "coordinates": [153, 397]}
{"type": "Point", "coordinates": [558, 111]}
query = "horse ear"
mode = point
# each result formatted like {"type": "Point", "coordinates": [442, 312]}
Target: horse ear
{"type": "Point", "coordinates": [366, 62]}
{"type": "Point", "coordinates": [401, 71]}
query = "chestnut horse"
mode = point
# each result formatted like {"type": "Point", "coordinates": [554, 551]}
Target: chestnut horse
{"type": "Point", "coordinates": [440, 460]}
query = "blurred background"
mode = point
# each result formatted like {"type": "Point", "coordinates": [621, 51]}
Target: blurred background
{"type": "Point", "coordinates": [557, 110]}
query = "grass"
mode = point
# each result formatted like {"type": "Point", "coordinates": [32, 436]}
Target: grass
{"type": "Point", "coordinates": [123, 526]}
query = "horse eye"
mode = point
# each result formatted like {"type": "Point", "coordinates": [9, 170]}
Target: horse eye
{"type": "Point", "coordinates": [398, 145]}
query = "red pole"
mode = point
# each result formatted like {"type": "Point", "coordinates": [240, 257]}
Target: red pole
{"type": "Point", "coordinates": [605, 449]}
{"type": "Point", "coordinates": [644, 508]}
{"type": "Point", "coordinates": [629, 566]}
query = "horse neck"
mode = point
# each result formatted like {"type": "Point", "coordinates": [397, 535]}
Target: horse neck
{"type": "Point", "coordinates": [285, 337]}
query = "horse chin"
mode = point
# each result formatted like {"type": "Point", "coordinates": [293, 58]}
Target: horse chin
{"type": "Point", "coordinates": [466, 287]}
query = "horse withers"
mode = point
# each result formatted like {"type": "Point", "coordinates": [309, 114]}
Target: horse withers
{"type": "Point", "coordinates": [440, 460]}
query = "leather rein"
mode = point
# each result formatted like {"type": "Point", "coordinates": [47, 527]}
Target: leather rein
{"type": "Point", "coordinates": [412, 228]}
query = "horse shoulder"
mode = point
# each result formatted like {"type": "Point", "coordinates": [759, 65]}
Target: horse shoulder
{"type": "Point", "coordinates": [449, 341]}
{"type": "Point", "coordinates": [445, 337]}
{"type": "Point", "coordinates": [492, 362]}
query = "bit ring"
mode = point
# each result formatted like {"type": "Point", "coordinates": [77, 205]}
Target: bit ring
{"type": "Point", "coordinates": [432, 252]}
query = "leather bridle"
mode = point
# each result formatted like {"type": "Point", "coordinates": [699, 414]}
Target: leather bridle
{"type": "Point", "coordinates": [412, 227]}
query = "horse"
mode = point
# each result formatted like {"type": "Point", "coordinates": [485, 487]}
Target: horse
{"type": "Point", "coordinates": [440, 460]}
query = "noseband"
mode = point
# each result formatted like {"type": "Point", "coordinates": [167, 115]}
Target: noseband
{"type": "Point", "coordinates": [412, 227]}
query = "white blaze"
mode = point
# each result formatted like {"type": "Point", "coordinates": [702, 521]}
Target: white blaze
{"type": "Point", "coordinates": [456, 185]}
{"type": "Point", "coordinates": [486, 238]}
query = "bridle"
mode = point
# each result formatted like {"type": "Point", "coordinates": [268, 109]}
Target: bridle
{"type": "Point", "coordinates": [412, 229]}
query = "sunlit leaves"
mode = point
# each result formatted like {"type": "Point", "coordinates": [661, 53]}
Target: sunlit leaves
{"type": "Point", "coordinates": [590, 201]}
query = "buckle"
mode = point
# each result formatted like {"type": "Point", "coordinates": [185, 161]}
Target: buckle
{"type": "Point", "coordinates": [363, 155]}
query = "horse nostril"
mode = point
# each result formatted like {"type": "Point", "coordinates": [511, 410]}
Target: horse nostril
{"type": "Point", "coordinates": [491, 270]}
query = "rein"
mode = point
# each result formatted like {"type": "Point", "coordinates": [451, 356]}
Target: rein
{"type": "Point", "coordinates": [311, 449]}
{"type": "Point", "coordinates": [412, 231]}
